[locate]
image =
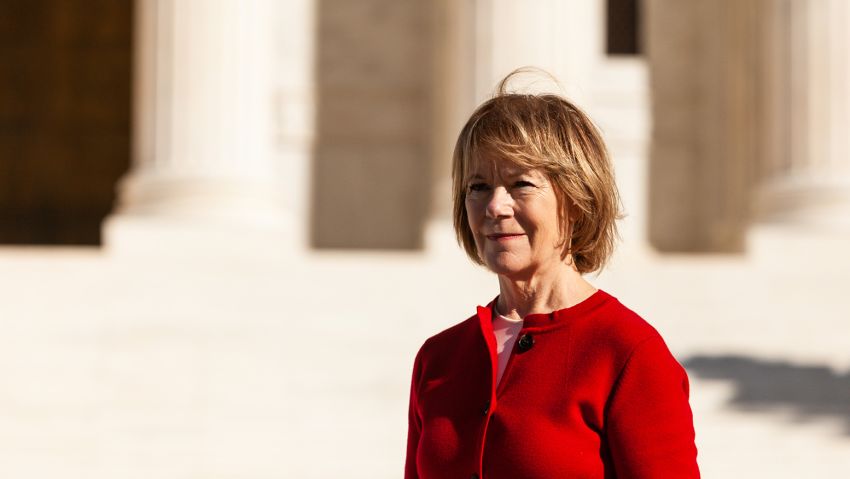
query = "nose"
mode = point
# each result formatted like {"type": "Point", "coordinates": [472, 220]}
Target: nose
{"type": "Point", "coordinates": [500, 203]}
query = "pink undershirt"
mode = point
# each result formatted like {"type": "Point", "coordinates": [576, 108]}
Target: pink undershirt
{"type": "Point", "coordinates": [506, 331]}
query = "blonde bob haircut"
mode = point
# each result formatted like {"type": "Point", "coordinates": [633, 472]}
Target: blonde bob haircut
{"type": "Point", "coordinates": [548, 133]}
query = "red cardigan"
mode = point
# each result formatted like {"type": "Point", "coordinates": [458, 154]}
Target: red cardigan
{"type": "Point", "coordinates": [590, 391]}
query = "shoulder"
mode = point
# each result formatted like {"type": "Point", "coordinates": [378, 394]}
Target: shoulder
{"type": "Point", "coordinates": [616, 327]}
{"type": "Point", "coordinates": [450, 338]}
{"type": "Point", "coordinates": [634, 346]}
{"type": "Point", "coordinates": [613, 338]}
{"type": "Point", "coordinates": [458, 348]}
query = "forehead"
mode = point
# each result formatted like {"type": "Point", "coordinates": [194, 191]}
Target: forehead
{"type": "Point", "coordinates": [487, 163]}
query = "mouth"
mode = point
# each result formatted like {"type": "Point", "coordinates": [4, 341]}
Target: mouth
{"type": "Point", "coordinates": [500, 237]}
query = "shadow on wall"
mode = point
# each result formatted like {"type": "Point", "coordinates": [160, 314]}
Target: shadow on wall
{"type": "Point", "coordinates": [808, 391]}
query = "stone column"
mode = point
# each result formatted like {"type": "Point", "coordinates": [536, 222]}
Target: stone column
{"type": "Point", "coordinates": [481, 41]}
{"type": "Point", "coordinates": [453, 97]}
{"type": "Point", "coordinates": [204, 159]}
{"type": "Point", "coordinates": [295, 112]}
{"type": "Point", "coordinates": [703, 64]}
{"type": "Point", "coordinates": [563, 37]}
{"type": "Point", "coordinates": [805, 166]}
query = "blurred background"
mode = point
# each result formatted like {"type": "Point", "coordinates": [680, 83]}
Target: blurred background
{"type": "Point", "coordinates": [226, 223]}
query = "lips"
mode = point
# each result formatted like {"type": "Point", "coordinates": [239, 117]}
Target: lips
{"type": "Point", "coordinates": [504, 236]}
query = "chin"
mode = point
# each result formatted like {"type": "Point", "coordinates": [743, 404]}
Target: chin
{"type": "Point", "coordinates": [507, 266]}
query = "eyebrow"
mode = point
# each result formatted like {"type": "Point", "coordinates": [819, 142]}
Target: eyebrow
{"type": "Point", "coordinates": [509, 173]}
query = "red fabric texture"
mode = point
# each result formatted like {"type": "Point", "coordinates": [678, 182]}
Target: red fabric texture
{"type": "Point", "coordinates": [596, 395]}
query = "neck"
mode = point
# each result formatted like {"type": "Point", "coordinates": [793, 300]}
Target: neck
{"type": "Point", "coordinates": [542, 292]}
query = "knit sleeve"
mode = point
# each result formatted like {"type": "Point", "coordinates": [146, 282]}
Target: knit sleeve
{"type": "Point", "coordinates": [649, 425]}
{"type": "Point", "coordinates": [414, 425]}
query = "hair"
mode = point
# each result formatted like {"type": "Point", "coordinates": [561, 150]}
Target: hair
{"type": "Point", "coordinates": [549, 133]}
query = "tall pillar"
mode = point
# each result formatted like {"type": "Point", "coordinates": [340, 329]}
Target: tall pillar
{"type": "Point", "coordinates": [563, 37]}
{"type": "Point", "coordinates": [703, 58]}
{"type": "Point", "coordinates": [295, 116]}
{"type": "Point", "coordinates": [805, 169]}
{"type": "Point", "coordinates": [205, 164]}
{"type": "Point", "coordinates": [500, 36]}
{"type": "Point", "coordinates": [373, 120]}
{"type": "Point", "coordinates": [453, 97]}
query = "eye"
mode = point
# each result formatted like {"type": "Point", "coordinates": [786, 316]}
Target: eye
{"type": "Point", "coordinates": [523, 184]}
{"type": "Point", "coordinates": [478, 187]}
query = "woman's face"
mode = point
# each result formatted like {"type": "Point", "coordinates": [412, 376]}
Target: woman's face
{"type": "Point", "coordinates": [513, 215]}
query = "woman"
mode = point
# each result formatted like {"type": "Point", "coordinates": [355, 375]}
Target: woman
{"type": "Point", "coordinates": [554, 378]}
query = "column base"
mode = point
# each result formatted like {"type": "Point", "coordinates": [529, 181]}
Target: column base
{"type": "Point", "coordinates": [201, 217]}
{"type": "Point", "coordinates": [789, 246]}
{"type": "Point", "coordinates": [173, 237]}
{"type": "Point", "coordinates": [803, 222]}
{"type": "Point", "coordinates": [817, 204]}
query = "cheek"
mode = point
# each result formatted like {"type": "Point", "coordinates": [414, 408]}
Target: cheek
{"type": "Point", "coordinates": [547, 226]}
{"type": "Point", "coordinates": [553, 228]}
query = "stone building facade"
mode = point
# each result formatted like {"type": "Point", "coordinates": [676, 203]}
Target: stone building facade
{"type": "Point", "coordinates": [271, 180]}
{"type": "Point", "coordinates": [331, 123]}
